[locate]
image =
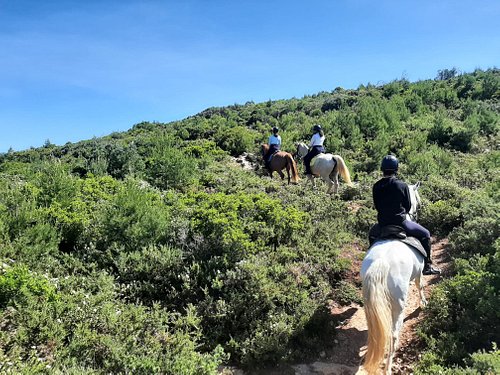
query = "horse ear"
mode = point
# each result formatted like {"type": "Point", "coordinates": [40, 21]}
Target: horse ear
{"type": "Point", "coordinates": [417, 185]}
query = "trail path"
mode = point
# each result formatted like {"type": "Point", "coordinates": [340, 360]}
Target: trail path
{"type": "Point", "coordinates": [349, 345]}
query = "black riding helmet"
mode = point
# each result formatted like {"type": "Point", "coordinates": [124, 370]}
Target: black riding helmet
{"type": "Point", "coordinates": [316, 128]}
{"type": "Point", "coordinates": [275, 129]}
{"type": "Point", "coordinates": [389, 163]}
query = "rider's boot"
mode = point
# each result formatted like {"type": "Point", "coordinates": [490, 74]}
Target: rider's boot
{"type": "Point", "coordinates": [429, 269]}
{"type": "Point", "coordinates": [308, 171]}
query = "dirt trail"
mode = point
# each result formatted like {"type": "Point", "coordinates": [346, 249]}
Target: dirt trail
{"type": "Point", "coordinates": [344, 357]}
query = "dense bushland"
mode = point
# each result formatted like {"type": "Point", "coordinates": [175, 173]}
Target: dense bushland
{"type": "Point", "coordinates": [151, 251]}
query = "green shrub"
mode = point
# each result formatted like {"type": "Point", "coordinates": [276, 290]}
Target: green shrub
{"type": "Point", "coordinates": [18, 207]}
{"type": "Point", "coordinates": [463, 313]}
{"type": "Point", "coordinates": [433, 161]}
{"type": "Point", "coordinates": [135, 217]}
{"type": "Point", "coordinates": [55, 182]}
{"type": "Point", "coordinates": [486, 362]}
{"type": "Point", "coordinates": [235, 139]}
{"type": "Point", "coordinates": [477, 236]}
{"type": "Point", "coordinates": [18, 284]}
{"type": "Point", "coordinates": [170, 168]}
{"type": "Point", "coordinates": [152, 274]}
{"type": "Point", "coordinates": [480, 363]}
{"type": "Point", "coordinates": [440, 217]}
{"type": "Point", "coordinates": [86, 327]}
{"type": "Point", "coordinates": [346, 293]}
{"type": "Point", "coordinates": [439, 189]}
{"type": "Point", "coordinates": [363, 220]}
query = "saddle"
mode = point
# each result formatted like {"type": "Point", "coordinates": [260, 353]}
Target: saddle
{"type": "Point", "coordinates": [268, 161]}
{"type": "Point", "coordinates": [394, 232]}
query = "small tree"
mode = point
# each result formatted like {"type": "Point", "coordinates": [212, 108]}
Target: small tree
{"type": "Point", "coordinates": [445, 74]}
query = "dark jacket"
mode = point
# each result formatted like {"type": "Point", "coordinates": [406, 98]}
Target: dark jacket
{"type": "Point", "coordinates": [392, 200]}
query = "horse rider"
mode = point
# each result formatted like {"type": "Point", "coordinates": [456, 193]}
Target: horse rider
{"type": "Point", "coordinates": [315, 147]}
{"type": "Point", "coordinates": [391, 197]}
{"type": "Point", "coordinates": [274, 143]}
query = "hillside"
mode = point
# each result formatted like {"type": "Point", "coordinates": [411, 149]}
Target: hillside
{"type": "Point", "coordinates": [152, 251]}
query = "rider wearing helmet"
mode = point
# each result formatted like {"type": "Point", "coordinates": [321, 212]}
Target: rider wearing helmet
{"type": "Point", "coordinates": [316, 147]}
{"type": "Point", "coordinates": [391, 197]}
{"type": "Point", "coordinates": [274, 145]}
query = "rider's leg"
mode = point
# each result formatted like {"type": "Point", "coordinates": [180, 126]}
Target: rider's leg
{"type": "Point", "coordinates": [307, 159]}
{"type": "Point", "coordinates": [307, 162]}
{"type": "Point", "coordinates": [424, 236]}
{"type": "Point", "coordinates": [374, 233]}
{"type": "Point", "coordinates": [266, 159]}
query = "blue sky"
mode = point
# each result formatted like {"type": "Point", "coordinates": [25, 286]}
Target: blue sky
{"type": "Point", "coordinates": [72, 70]}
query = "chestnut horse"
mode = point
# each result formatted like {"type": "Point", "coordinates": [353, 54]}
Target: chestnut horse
{"type": "Point", "coordinates": [281, 160]}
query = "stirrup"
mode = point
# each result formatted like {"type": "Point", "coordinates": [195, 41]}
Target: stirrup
{"type": "Point", "coordinates": [430, 270]}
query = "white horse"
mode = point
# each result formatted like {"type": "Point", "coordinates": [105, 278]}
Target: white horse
{"type": "Point", "coordinates": [386, 271]}
{"type": "Point", "coordinates": [327, 166]}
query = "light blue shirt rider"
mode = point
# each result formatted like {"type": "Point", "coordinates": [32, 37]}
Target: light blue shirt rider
{"type": "Point", "coordinates": [275, 140]}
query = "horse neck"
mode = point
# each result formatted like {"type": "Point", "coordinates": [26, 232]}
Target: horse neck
{"type": "Point", "coordinates": [302, 151]}
{"type": "Point", "coordinates": [414, 204]}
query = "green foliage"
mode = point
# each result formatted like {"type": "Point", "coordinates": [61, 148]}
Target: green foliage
{"type": "Point", "coordinates": [477, 236]}
{"type": "Point", "coordinates": [169, 167]}
{"type": "Point", "coordinates": [153, 244]}
{"type": "Point", "coordinates": [243, 222]}
{"type": "Point", "coordinates": [346, 293]}
{"type": "Point", "coordinates": [463, 313]}
{"type": "Point", "coordinates": [18, 284]}
{"type": "Point", "coordinates": [431, 162]}
{"type": "Point", "coordinates": [440, 217]}
{"type": "Point", "coordinates": [54, 182]}
{"type": "Point", "coordinates": [17, 205]}
{"type": "Point", "coordinates": [480, 363]}
{"type": "Point", "coordinates": [152, 273]}
{"type": "Point", "coordinates": [87, 328]}
{"type": "Point", "coordinates": [448, 134]}
{"type": "Point", "coordinates": [447, 74]}
{"type": "Point", "coordinates": [486, 362]}
{"type": "Point", "coordinates": [235, 139]}
{"type": "Point", "coordinates": [134, 218]}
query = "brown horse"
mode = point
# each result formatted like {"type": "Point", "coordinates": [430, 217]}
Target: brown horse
{"type": "Point", "coordinates": [280, 161]}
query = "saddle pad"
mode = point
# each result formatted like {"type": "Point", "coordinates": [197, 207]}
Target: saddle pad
{"type": "Point", "coordinates": [313, 160]}
{"type": "Point", "coordinates": [410, 241]}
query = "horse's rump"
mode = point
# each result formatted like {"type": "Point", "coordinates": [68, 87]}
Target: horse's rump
{"type": "Point", "coordinates": [386, 271]}
{"type": "Point", "coordinates": [396, 233]}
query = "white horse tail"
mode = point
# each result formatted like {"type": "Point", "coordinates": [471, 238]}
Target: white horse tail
{"type": "Point", "coordinates": [293, 165]}
{"type": "Point", "coordinates": [377, 307]}
{"type": "Point", "coordinates": [344, 172]}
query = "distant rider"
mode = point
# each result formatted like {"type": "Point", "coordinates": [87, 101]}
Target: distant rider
{"type": "Point", "coordinates": [274, 145]}
{"type": "Point", "coordinates": [391, 197]}
{"type": "Point", "coordinates": [315, 147]}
